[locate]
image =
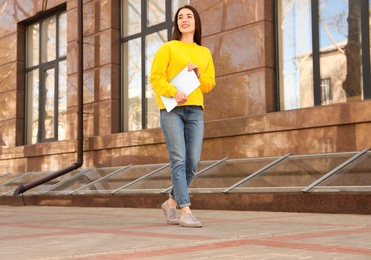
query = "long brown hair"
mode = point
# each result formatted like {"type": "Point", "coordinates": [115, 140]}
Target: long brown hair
{"type": "Point", "coordinates": [198, 30]}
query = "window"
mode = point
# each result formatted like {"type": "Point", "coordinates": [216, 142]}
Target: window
{"type": "Point", "coordinates": [46, 79]}
{"type": "Point", "coordinates": [145, 26]}
{"type": "Point", "coordinates": [322, 39]}
{"type": "Point", "coordinates": [326, 92]}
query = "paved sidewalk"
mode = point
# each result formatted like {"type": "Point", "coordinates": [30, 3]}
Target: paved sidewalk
{"type": "Point", "coordinates": [123, 233]}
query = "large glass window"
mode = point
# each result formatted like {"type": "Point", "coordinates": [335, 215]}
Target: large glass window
{"type": "Point", "coordinates": [323, 52]}
{"type": "Point", "coordinates": [46, 79]}
{"type": "Point", "coordinates": [145, 26]}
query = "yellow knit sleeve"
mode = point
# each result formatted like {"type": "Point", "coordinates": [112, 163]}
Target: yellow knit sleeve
{"type": "Point", "coordinates": [207, 77]}
{"type": "Point", "coordinates": [158, 74]}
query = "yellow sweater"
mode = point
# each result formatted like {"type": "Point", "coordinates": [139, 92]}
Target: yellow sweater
{"type": "Point", "coordinates": [170, 59]}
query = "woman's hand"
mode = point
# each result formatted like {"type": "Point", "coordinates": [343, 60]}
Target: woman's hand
{"type": "Point", "coordinates": [180, 97]}
{"type": "Point", "coordinates": [194, 67]}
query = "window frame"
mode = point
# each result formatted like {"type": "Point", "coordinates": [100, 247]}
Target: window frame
{"type": "Point", "coordinates": [42, 67]}
{"type": "Point", "coordinates": [145, 31]}
{"type": "Point", "coordinates": [365, 34]}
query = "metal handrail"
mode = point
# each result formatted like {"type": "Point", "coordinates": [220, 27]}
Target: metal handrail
{"type": "Point", "coordinates": [63, 182]}
{"type": "Point", "coordinates": [20, 177]}
{"type": "Point", "coordinates": [256, 173]}
{"type": "Point", "coordinates": [140, 179]}
{"type": "Point", "coordinates": [101, 179]}
{"type": "Point", "coordinates": [335, 170]}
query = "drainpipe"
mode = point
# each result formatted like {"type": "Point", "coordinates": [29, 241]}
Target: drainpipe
{"type": "Point", "coordinates": [80, 133]}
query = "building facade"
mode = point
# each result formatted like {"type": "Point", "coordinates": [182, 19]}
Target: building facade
{"type": "Point", "coordinates": [287, 81]}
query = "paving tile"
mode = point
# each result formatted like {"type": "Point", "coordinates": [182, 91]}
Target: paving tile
{"type": "Point", "coordinates": [58, 233]}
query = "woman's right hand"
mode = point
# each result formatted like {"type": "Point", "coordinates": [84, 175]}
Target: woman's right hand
{"type": "Point", "coordinates": [180, 97]}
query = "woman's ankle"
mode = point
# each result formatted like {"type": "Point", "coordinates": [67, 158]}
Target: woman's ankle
{"type": "Point", "coordinates": [172, 203]}
{"type": "Point", "coordinates": [186, 210]}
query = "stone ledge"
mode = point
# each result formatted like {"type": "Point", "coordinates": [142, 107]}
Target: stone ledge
{"type": "Point", "coordinates": [338, 203]}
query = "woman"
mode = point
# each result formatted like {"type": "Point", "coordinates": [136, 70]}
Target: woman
{"type": "Point", "coordinates": [184, 125]}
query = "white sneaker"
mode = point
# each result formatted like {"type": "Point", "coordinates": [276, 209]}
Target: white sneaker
{"type": "Point", "coordinates": [170, 214]}
{"type": "Point", "coordinates": [188, 220]}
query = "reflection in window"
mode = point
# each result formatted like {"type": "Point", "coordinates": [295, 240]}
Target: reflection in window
{"type": "Point", "coordinates": [46, 79]}
{"type": "Point", "coordinates": [326, 92]}
{"type": "Point", "coordinates": [48, 43]}
{"type": "Point", "coordinates": [153, 42]}
{"type": "Point", "coordinates": [33, 45]}
{"type": "Point", "coordinates": [156, 12]}
{"type": "Point", "coordinates": [338, 52]}
{"type": "Point", "coordinates": [48, 106]}
{"type": "Point", "coordinates": [62, 100]}
{"type": "Point", "coordinates": [62, 44]}
{"type": "Point", "coordinates": [131, 18]}
{"type": "Point", "coordinates": [295, 45]}
{"type": "Point", "coordinates": [340, 47]}
{"type": "Point", "coordinates": [142, 35]}
{"type": "Point", "coordinates": [133, 97]}
{"type": "Point", "coordinates": [32, 106]}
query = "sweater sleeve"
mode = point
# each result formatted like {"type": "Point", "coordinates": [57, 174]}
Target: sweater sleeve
{"type": "Point", "coordinates": [158, 76]}
{"type": "Point", "coordinates": [207, 77]}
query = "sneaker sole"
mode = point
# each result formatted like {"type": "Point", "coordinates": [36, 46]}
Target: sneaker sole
{"type": "Point", "coordinates": [188, 226]}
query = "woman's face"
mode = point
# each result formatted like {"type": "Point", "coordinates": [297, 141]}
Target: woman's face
{"type": "Point", "coordinates": [186, 21]}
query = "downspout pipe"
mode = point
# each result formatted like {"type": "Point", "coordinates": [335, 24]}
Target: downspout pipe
{"type": "Point", "coordinates": [80, 134]}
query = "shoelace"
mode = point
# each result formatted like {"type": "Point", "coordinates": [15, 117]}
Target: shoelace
{"type": "Point", "coordinates": [172, 214]}
{"type": "Point", "coordinates": [192, 218]}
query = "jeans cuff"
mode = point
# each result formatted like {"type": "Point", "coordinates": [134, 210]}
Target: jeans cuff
{"type": "Point", "coordinates": [185, 205]}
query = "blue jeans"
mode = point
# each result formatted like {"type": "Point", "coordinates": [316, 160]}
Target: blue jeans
{"type": "Point", "coordinates": [183, 129]}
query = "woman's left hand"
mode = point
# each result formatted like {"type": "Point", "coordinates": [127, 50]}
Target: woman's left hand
{"type": "Point", "coordinates": [194, 67]}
